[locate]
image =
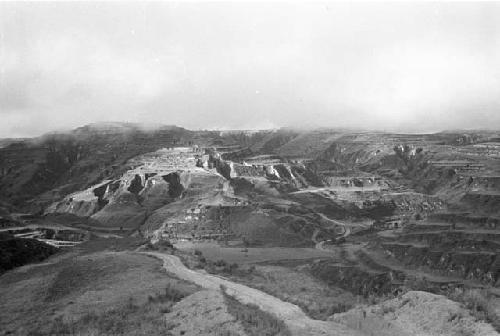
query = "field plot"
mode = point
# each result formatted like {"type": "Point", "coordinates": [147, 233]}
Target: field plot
{"type": "Point", "coordinates": [214, 252]}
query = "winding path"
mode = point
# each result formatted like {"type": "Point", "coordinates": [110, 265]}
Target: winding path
{"type": "Point", "coordinates": [335, 223]}
{"type": "Point", "coordinates": [347, 229]}
{"type": "Point", "coordinates": [295, 319]}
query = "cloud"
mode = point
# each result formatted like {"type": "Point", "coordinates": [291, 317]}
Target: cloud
{"type": "Point", "coordinates": [418, 67]}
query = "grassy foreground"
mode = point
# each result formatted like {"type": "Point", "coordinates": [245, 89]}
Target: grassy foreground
{"type": "Point", "coordinates": [90, 291]}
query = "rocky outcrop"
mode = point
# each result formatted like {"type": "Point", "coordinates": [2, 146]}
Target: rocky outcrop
{"type": "Point", "coordinates": [175, 187]}
{"type": "Point", "coordinates": [124, 202]}
{"type": "Point", "coordinates": [136, 185]}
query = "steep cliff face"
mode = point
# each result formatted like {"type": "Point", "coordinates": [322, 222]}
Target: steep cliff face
{"type": "Point", "coordinates": [175, 186]}
{"type": "Point", "coordinates": [344, 156]}
{"type": "Point", "coordinates": [124, 202]}
{"type": "Point", "coordinates": [84, 203]}
{"type": "Point", "coordinates": [296, 175]}
{"type": "Point", "coordinates": [405, 163]}
{"type": "Point", "coordinates": [448, 172]}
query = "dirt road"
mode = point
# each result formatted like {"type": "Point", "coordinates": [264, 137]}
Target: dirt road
{"type": "Point", "coordinates": [296, 320]}
{"type": "Point", "coordinates": [336, 223]}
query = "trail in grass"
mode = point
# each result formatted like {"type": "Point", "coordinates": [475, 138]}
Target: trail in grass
{"type": "Point", "coordinates": [295, 319]}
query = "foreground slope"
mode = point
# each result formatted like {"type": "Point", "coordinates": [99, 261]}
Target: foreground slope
{"type": "Point", "coordinates": [298, 322]}
{"type": "Point", "coordinates": [415, 313]}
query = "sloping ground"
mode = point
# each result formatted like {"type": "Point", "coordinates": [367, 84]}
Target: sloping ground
{"type": "Point", "coordinates": [96, 293]}
{"type": "Point", "coordinates": [157, 190]}
{"type": "Point", "coordinates": [308, 144]}
{"type": "Point", "coordinates": [415, 313]}
{"type": "Point", "coordinates": [15, 252]}
{"type": "Point", "coordinates": [162, 188]}
{"type": "Point", "coordinates": [272, 228]}
{"type": "Point", "coordinates": [205, 188]}
{"type": "Point", "coordinates": [204, 313]}
{"type": "Point", "coordinates": [461, 251]}
{"type": "Point", "coordinates": [290, 283]}
{"type": "Point", "coordinates": [294, 318]}
{"type": "Point", "coordinates": [100, 289]}
{"type": "Point", "coordinates": [153, 180]}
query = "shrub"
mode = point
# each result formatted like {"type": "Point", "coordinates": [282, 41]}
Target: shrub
{"type": "Point", "coordinates": [171, 294]}
{"type": "Point", "coordinates": [15, 252]}
{"type": "Point", "coordinates": [479, 302]}
{"type": "Point", "coordinates": [164, 245]}
{"type": "Point", "coordinates": [417, 283]}
{"type": "Point", "coordinates": [220, 263]}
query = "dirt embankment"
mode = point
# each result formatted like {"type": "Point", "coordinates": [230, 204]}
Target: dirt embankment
{"type": "Point", "coordinates": [204, 313]}
{"type": "Point", "coordinates": [415, 313]}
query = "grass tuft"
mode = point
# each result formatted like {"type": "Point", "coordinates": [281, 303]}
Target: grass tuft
{"type": "Point", "coordinates": [479, 303]}
{"type": "Point", "coordinates": [255, 321]}
{"type": "Point", "coordinates": [130, 318]}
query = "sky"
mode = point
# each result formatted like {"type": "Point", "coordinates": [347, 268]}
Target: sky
{"type": "Point", "coordinates": [408, 67]}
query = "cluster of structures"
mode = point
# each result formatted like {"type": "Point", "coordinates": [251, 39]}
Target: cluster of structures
{"type": "Point", "coordinates": [204, 222]}
{"type": "Point", "coordinates": [263, 160]}
{"type": "Point", "coordinates": [486, 149]}
{"type": "Point", "coordinates": [458, 165]}
{"type": "Point", "coordinates": [166, 160]}
{"type": "Point", "coordinates": [390, 223]}
{"type": "Point", "coordinates": [354, 181]}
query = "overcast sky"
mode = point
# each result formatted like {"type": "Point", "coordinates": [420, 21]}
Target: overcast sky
{"type": "Point", "coordinates": [398, 66]}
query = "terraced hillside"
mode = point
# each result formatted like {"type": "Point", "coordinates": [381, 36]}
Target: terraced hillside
{"type": "Point", "coordinates": [368, 214]}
